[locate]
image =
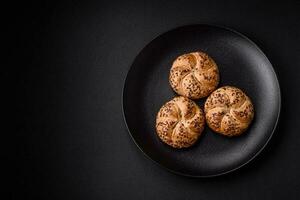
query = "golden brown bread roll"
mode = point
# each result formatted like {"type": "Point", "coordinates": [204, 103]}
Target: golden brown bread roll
{"type": "Point", "coordinates": [180, 122]}
{"type": "Point", "coordinates": [194, 75]}
{"type": "Point", "coordinates": [228, 111]}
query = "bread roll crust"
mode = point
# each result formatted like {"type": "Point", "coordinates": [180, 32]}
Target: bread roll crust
{"type": "Point", "coordinates": [228, 111]}
{"type": "Point", "coordinates": [180, 122]}
{"type": "Point", "coordinates": [194, 75]}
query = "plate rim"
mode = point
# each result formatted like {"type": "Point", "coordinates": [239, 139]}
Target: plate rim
{"type": "Point", "coordinates": [221, 173]}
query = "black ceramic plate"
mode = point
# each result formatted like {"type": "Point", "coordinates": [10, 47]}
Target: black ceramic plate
{"type": "Point", "coordinates": [241, 64]}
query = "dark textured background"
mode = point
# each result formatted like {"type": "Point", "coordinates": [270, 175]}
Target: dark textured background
{"type": "Point", "coordinates": [70, 60]}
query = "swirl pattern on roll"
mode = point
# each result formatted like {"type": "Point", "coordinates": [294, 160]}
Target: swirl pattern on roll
{"type": "Point", "coordinates": [180, 122]}
{"type": "Point", "coordinates": [228, 111]}
{"type": "Point", "coordinates": [194, 75]}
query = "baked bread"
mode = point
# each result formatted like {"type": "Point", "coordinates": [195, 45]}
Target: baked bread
{"type": "Point", "coordinates": [180, 122]}
{"type": "Point", "coordinates": [194, 75]}
{"type": "Point", "coordinates": [228, 111]}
